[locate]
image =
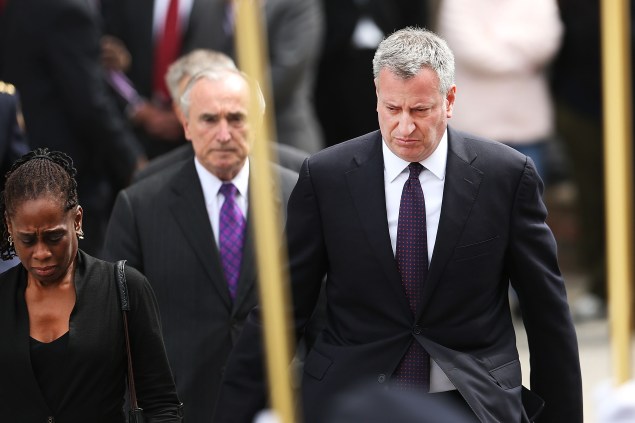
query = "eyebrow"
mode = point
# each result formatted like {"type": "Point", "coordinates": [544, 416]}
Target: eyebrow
{"type": "Point", "coordinates": [46, 231]}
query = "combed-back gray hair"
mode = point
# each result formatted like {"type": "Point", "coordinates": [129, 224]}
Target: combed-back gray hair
{"type": "Point", "coordinates": [217, 75]}
{"type": "Point", "coordinates": [192, 63]}
{"type": "Point", "coordinates": [407, 51]}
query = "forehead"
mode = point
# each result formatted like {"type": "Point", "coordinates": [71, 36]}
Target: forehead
{"type": "Point", "coordinates": [228, 90]}
{"type": "Point", "coordinates": [425, 83]}
{"type": "Point", "coordinates": [40, 212]}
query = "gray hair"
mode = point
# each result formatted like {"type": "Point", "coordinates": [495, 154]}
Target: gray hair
{"type": "Point", "coordinates": [407, 51]}
{"type": "Point", "coordinates": [193, 63]}
{"type": "Point", "coordinates": [217, 75]}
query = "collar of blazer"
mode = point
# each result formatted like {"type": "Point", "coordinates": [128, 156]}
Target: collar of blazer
{"type": "Point", "coordinates": [460, 191]}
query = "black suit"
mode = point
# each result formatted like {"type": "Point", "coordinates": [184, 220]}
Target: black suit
{"type": "Point", "coordinates": [50, 52]}
{"type": "Point", "coordinates": [492, 230]}
{"type": "Point", "coordinates": [161, 226]}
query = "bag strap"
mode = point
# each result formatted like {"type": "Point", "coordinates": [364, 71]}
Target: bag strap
{"type": "Point", "coordinates": [120, 275]}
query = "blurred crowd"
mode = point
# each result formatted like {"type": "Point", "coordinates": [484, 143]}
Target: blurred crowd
{"type": "Point", "coordinates": [90, 78]}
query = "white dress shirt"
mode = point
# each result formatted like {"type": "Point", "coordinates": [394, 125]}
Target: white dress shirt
{"type": "Point", "coordinates": [214, 199]}
{"type": "Point", "coordinates": [161, 12]}
{"type": "Point", "coordinates": [432, 180]}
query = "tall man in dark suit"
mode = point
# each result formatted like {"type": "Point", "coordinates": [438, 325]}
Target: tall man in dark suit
{"type": "Point", "coordinates": [420, 229]}
{"type": "Point", "coordinates": [172, 227]}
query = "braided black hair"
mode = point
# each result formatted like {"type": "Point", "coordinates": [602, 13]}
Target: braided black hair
{"type": "Point", "coordinates": [36, 174]}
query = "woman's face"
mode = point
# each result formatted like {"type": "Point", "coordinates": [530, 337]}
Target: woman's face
{"type": "Point", "coordinates": [45, 238]}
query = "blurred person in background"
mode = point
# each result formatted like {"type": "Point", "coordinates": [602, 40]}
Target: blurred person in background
{"type": "Point", "coordinates": [13, 143]}
{"type": "Point", "coordinates": [576, 86]}
{"type": "Point", "coordinates": [50, 52]}
{"type": "Point", "coordinates": [145, 37]}
{"type": "Point", "coordinates": [503, 52]}
{"type": "Point", "coordinates": [354, 29]}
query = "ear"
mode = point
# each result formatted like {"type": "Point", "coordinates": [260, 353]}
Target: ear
{"type": "Point", "coordinates": [450, 97]}
{"type": "Point", "coordinates": [376, 93]}
{"type": "Point", "coordinates": [79, 214]}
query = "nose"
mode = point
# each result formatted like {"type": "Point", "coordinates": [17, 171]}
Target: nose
{"type": "Point", "coordinates": [406, 124]}
{"type": "Point", "coordinates": [223, 131]}
{"type": "Point", "coordinates": [41, 251]}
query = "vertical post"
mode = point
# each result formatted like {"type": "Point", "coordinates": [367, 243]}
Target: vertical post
{"type": "Point", "coordinates": [273, 280]}
{"type": "Point", "coordinates": [616, 70]}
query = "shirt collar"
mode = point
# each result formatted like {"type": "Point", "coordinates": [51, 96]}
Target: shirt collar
{"type": "Point", "coordinates": [435, 163]}
{"type": "Point", "coordinates": [211, 184]}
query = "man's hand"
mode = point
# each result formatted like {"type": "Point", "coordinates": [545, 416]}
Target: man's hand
{"type": "Point", "coordinates": [114, 54]}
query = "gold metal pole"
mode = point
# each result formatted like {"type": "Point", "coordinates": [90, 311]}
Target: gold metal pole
{"type": "Point", "coordinates": [616, 70]}
{"type": "Point", "coordinates": [273, 281]}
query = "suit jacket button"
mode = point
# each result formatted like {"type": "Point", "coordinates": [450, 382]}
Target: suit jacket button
{"type": "Point", "coordinates": [417, 330]}
{"type": "Point", "coordinates": [381, 378]}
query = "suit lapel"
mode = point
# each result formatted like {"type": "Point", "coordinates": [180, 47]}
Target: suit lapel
{"type": "Point", "coordinates": [366, 186]}
{"type": "Point", "coordinates": [459, 194]}
{"type": "Point", "coordinates": [190, 213]}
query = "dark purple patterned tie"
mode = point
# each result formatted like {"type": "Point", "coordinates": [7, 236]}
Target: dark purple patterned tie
{"type": "Point", "coordinates": [231, 237]}
{"type": "Point", "coordinates": [412, 260]}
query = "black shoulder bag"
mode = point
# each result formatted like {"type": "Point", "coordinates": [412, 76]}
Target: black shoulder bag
{"type": "Point", "coordinates": [135, 414]}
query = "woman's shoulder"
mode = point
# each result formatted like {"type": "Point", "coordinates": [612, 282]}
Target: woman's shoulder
{"type": "Point", "coordinates": [134, 278]}
{"type": "Point", "coordinates": [10, 278]}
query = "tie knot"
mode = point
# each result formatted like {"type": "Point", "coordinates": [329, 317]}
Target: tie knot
{"type": "Point", "coordinates": [229, 190]}
{"type": "Point", "coordinates": [415, 170]}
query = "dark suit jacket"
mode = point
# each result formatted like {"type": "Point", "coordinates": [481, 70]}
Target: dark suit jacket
{"type": "Point", "coordinates": [50, 52]}
{"type": "Point", "coordinates": [294, 30]}
{"type": "Point", "coordinates": [161, 226]}
{"type": "Point", "coordinates": [492, 230]}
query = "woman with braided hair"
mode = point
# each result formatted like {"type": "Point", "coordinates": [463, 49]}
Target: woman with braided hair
{"type": "Point", "coordinates": [62, 347]}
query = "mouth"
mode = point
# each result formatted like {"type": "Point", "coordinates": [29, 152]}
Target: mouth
{"type": "Point", "coordinates": [44, 271]}
{"type": "Point", "coordinates": [405, 141]}
{"type": "Point", "coordinates": [223, 150]}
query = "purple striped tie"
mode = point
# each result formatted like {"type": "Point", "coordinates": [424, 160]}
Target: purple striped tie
{"type": "Point", "coordinates": [412, 259]}
{"type": "Point", "coordinates": [231, 237]}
